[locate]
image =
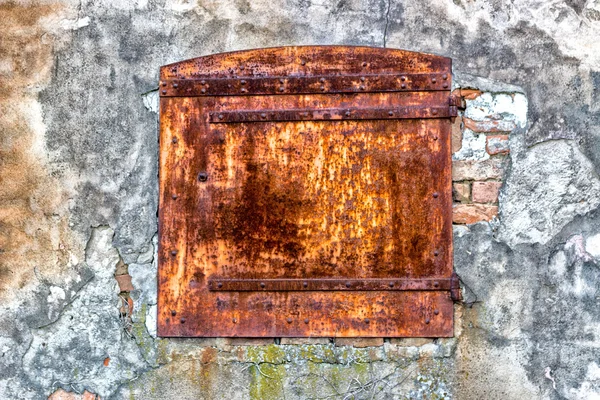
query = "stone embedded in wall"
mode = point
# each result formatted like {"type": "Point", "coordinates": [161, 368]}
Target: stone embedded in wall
{"type": "Point", "coordinates": [497, 144]}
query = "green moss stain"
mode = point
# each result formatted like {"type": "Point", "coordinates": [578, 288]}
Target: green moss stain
{"type": "Point", "coordinates": [266, 382]}
{"type": "Point", "coordinates": [272, 354]}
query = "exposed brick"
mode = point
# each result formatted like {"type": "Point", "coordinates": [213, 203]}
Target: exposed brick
{"type": "Point", "coordinates": [470, 94]}
{"type": "Point", "coordinates": [489, 126]}
{"type": "Point", "coordinates": [62, 394]}
{"type": "Point", "coordinates": [411, 342]}
{"type": "Point", "coordinates": [457, 135]}
{"type": "Point", "coordinates": [304, 341]}
{"type": "Point", "coordinates": [486, 192]}
{"type": "Point", "coordinates": [359, 342]}
{"type": "Point", "coordinates": [475, 170]}
{"type": "Point", "coordinates": [126, 306]}
{"type": "Point", "coordinates": [124, 282]}
{"type": "Point", "coordinates": [497, 144]}
{"type": "Point", "coordinates": [106, 361]}
{"type": "Point", "coordinates": [461, 192]}
{"type": "Point", "coordinates": [471, 213]}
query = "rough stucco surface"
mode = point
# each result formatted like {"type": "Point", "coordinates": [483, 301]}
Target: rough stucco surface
{"type": "Point", "coordinates": [78, 167]}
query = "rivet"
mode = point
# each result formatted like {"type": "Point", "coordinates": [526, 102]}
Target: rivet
{"type": "Point", "coordinates": [289, 320]}
{"type": "Point", "coordinates": [436, 312]}
{"type": "Point", "coordinates": [281, 88]}
{"type": "Point", "coordinates": [263, 115]}
{"type": "Point", "coordinates": [164, 83]}
{"type": "Point", "coordinates": [445, 85]}
{"type": "Point", "coordinates": [221, 116]}
{"type": "Point", "coordinates": [391, 284]}
{"type": "Point", "coordinates": [302, 62]}
{"type": "Point", "coordinates": [203, 90]}
{"type": "Point", "coordinates": [173, 312]}
{"type": "Point", "coordinates": [348, 113]}
{"type": "Point", "coordinates": [174, 140]}
{"type": "Point", "coordinates": [175, 85]}
{"type": "Point", "coordinates": [164, 92]}
{"type": "Point", "coordinates": [436, 195]}
{"type": "Point", "coordinates": [234, 320]}
{"type": "Point", "coordinates": [244, 90]}
{"type": "Point", "coordinates": [305, 284]}
{"type": "Point", "coordinates": [444, 77]}
{"type": "Point", "coordinates": [362, 78]}
{"type": "Point", "coordinates": [367, 320]}
{"type": "Point", "coordinates": [242, 67]}
{"type": "Point", "coordinates": [243, 82]}
{"type": "Point", "coordinates": [435, 138]}
{"type": "Point", "coordinates": [306, 114]}
{"type": "Point", "coordinates": [281, 80]}
{"type": "Point", "coordinates": [182, 320]}
{"type": "Point", "coordinates": [433, 80]}
{"type": "Point", "coordinates": [220, 285]}
{"type": "Point", "coordinates": [361, 87]}
{"type": "Point", "coordinates": [402, 78]}
{"type": "Point", "coordinates": [322, 80]}
{"type": "Point", "coordinates": [323, 88]}
{"type": "Point", "coordinates": [434, 111]}
{"type": "Point", "coordinates": [229, 86]}
{"type": "Point", "coordinates": [174, 196]}
{"type": "Point", "coordinates": [306, 320]}
{"type": "Point", "coordinates": [364, 64]}
{"type": "Point", "coordinates": [347, 284]}
{"type": "Point", "coordinates": [391, 113]}
{"type": "Point", "coordinates": [436, 284]}
{"type": "Point", "coordinates": [403, 86]}
{"type": "Point", "coordinates": [202, 176]}
{"type": "Point", "coordinates": [262, 285]}
{"type": "Point", "coordinates": [427, 320]}
{"type": "Point", "coordinates": [173, 252]}
{"type": "Point", "coordinates": [203, 82]}
{"type": "Point", "coordinates": [436, 253]}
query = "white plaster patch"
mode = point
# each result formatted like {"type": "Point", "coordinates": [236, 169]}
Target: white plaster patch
{"type": "Point", "coordinates": [57, 294]}
{"type": "Point", "coordinates": [151, 315]}
{"type": "Point", "coordinates": [473, 147]}
{"type": "Point", "coordinates": [490, 106]}
{"type": "Point", "coordinates": [74, 24]}
{"type": "Point", "coordinates": [589, 389]}
{"type": "Point", "coordinates": [592, 246]}
{"type": "Point", "coordinates": [151, 101]}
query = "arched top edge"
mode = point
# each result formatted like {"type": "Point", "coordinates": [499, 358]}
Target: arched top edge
{"type": "Point", "coordinates": [306, 61]}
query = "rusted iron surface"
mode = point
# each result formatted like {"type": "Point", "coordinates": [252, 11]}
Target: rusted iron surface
{"type": "Point", "coordinates": [286, 200]}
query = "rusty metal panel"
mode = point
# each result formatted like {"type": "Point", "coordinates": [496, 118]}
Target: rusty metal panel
{"type": "Point", "coordinates": [306, 212]}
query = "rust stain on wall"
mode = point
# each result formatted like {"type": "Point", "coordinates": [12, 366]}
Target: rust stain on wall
{"type": "Point", "coordinates": [33, 223]}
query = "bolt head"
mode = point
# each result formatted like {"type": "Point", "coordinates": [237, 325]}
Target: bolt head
{"type": "Point", "coordinates": [202, 176]}
{"type": "Point", "coordinates": [262, 285]}
{"type": "Point", "coordinates": [306, 320]}
{"type": "Point", "coordinates": [427, 321]}
{"type": "Point", "coordinates": [173, 252]}
{"type": "Point", "coordinates": [436, 195]}
{"type": "Point", "coordinates": [289, 320]}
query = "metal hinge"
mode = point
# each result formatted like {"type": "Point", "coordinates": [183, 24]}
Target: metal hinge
{"type": "Point", "coordinates": [455, 292]}
{"type": "Point", "coordinates": [456, 103]}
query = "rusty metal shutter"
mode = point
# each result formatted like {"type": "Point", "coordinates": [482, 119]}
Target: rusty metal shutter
{"type": "Point", "coordinates": [306, 191]}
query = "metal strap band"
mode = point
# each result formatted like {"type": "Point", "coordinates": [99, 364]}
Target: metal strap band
{"type": "Point", "coordinates": [305, 84]}
{"type": "Point", "coordinates": [331, 114]}
{"type": "Point", "coordinates": [286, 285]}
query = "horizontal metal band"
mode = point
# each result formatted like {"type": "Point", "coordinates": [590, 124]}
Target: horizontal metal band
{"type": "Point", "coordinates": [305, 84]}
{"type": "Point", "coordinates": [287, 285]}
{"type": "Point", "coordinates": [332, 114]}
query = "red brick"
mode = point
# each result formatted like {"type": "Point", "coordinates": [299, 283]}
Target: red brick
{"type": "Point", "coordinates": [359, 342]}
{"type": "Point", "coordinates": [486, 192]}
{"type": "Point", "coordinates": [489, 126]}
{"type": "Point", "coordinates": [124, 282]}
{"type": "Point", "coordinates": [457, 134]}
{"type": "Point", "coordinates": [497, 144]}
{"type": "Point", "coordinates": [471, 213]}
{"type": "Point", "coordinates": [470, 94]}
{"type": "Point", "coordinates": [461, 191]}
{"type": "Point", "coordinates": [62, 394]}
{"type": "Point", "coordinates": [473, 170]}
{"type": "Point", "coordinates": [106, 361]}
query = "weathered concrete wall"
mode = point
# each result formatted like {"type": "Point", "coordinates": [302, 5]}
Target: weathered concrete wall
{"type": "Point", "coordinates": [78, 200]}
